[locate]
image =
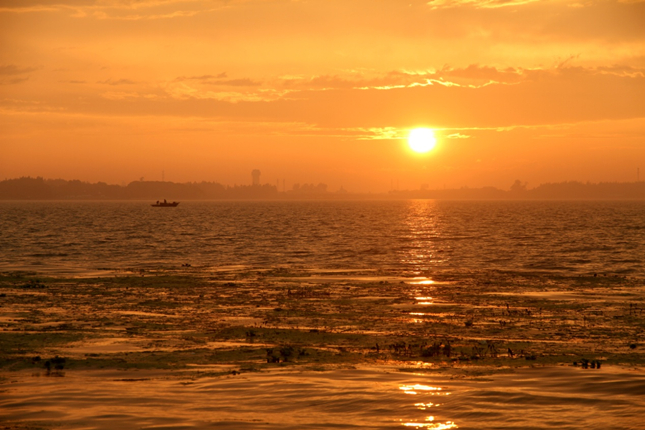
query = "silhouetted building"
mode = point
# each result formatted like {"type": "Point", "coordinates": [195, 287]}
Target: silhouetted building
{"type": "Point", "coordinates": [255, 174]}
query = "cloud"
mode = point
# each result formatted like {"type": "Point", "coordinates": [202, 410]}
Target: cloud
{"type": "Point", "coordinates": [117, 82]}
{"type": "Point", "coordinates": [11, 81]}
{"type": "Point", "coordinates": [219, 79]}
{"type": "Point", "coordinates": [244, 82]}
{"type": "Point", "coordinates": [174, 14]}
{"type": "Point", "coordinates": [201, 78]}
{"type": "Point", "coordinates": [11, 74]}
{"type": "Point", "coordinates": [528, 98]}
{"type": "Point", "coordinates": [13, 70]}
{"type": "Point", "coordinates": [120, 9]}
{"type": "Point", "coordinates": [472, 76]}
{"type": "Point", "coordinates": [482, 4]}
{"type": "Point", "coordinates": [27, 9]}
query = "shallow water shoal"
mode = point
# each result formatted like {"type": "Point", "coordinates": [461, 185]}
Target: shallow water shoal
{"type": "Point", "coordinates": [222, 346]}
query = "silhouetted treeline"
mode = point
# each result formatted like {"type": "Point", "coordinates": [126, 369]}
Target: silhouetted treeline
{"type": "Point", "coordinates": [54, 189]}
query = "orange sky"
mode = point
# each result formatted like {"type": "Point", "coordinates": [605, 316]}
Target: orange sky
{"type": "Point", "coordinates": [323, 91]}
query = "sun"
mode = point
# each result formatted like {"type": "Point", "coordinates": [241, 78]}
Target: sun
{"type": "Point", "coordinates": [421, 140]}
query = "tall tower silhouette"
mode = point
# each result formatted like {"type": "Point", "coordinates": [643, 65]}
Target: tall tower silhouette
{"type": "Point", "coordinates": [255, 174]}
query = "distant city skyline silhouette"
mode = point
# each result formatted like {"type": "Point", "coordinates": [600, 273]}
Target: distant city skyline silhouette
{"type": "Point", "coordinates": [27, 188]}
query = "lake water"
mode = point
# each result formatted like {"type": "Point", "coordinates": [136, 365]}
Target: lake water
{"type": "Point", "coordinates": [417, 236]}
{"type": "Point", "coordinates": [555, 398]}
{"type": "Point", "coordinates": [398, 239]}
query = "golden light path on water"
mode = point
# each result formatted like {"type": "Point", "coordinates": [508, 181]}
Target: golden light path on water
{"type": "Point", "coordinates": [421, 296]}
{"type": "Point", "coordinates": [539, 398]}
{"type": "Point", "coordinates": [423, 300]}
{"type": "Point", "coordinates": [419, 280]}
{"type": "Point", "coordinates": [426, 390]}
{"type": "Point", "coordinates": [436, 426]}
{"type": "Point", "coordinates": [422, 229]}
{"type": "Point", "coordinates": [413, 389]}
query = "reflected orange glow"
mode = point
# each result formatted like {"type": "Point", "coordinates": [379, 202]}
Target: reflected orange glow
{"type": "Point", "coordinates": [422, 364]}
{"type": "Point", "coordinates": [420, 280]}
{"type": "Point", "coordinates": [413, 389]}
{"type": "Point", "coordinates": [425, 389]}
{"type": "Point", "coordinates": [429, 422]}
{"type": "Point", "coordinates": [423, 229]}
{"type": "Point", "coordinates": [436, 426]}
{"type": "Point", "coordinates": [424, 406]}
{"type": "Point", "coordinates": [424, 300]}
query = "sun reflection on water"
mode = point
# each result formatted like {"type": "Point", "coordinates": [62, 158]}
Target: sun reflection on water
{"type": "Point", "coordinates": [423, 234]}
{"type": "Point", "coordinates": [423, 300]}
{"type": "Point", "coordinates": [412, 389]}
{"type": "Point", "coordinates": [421, 281]}
{"type": "Point", "coordinates": [424, 406]}
{"type": "Point", "coordinates": [429, 422]}
{"type": "Point", "coordinates": [437, 426]}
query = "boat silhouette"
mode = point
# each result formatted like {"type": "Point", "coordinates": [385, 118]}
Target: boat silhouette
{"type": "Point", "coordinates": [164, 204]}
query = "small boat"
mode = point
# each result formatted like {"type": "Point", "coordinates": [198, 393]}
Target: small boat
{"type": "Point", "coordinates": [164, 204]}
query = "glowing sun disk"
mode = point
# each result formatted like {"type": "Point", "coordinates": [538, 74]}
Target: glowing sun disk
{"type": "Point", "coordinates": [421, 140]}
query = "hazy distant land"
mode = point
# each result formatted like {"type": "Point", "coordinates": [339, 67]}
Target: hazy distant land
{"type": "Point", "coordinates": [27, 188]}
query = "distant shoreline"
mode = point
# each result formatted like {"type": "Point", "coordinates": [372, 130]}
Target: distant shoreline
{"type": "Point", "coordinates": [40, 189]}
{"type": "Point", "coordinates": [353, 198]}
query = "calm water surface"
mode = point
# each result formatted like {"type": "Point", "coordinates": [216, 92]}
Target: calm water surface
{"type": "Point", "coordinates": [555, 398]}
{"type": "Point", "coordinates": [411, 236]}
{"type": "Point", "coordinates": [405, 237]}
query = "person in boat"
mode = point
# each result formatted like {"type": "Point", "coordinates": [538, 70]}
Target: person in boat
{"type": "Point", "coordinates": [164, 201]}
{"type": "Point", "coordinates": [157, 201]}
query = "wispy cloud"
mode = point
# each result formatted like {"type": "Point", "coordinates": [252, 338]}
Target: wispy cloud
{"type": "Point", "coordinates": [170, 15]}
{"type": "Point", "coordinates": [529, 97]}
{"type": "Point", "coordinates": [201, 78]}
{"type": "Point", "coordinates": [219, 79]}
{"type": "Point", "coordinates": [13, 70]}
{"type": "Point", "coordinates": [28, 9]}
{"type": "Point", "coordinates": [11, 74]}
{"type": "Point", "coordinates": [117, 82]}
{"type": "Point", "coordinates": [483, 4]}
{"type": "Point", "coordinates": [118, 9]}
